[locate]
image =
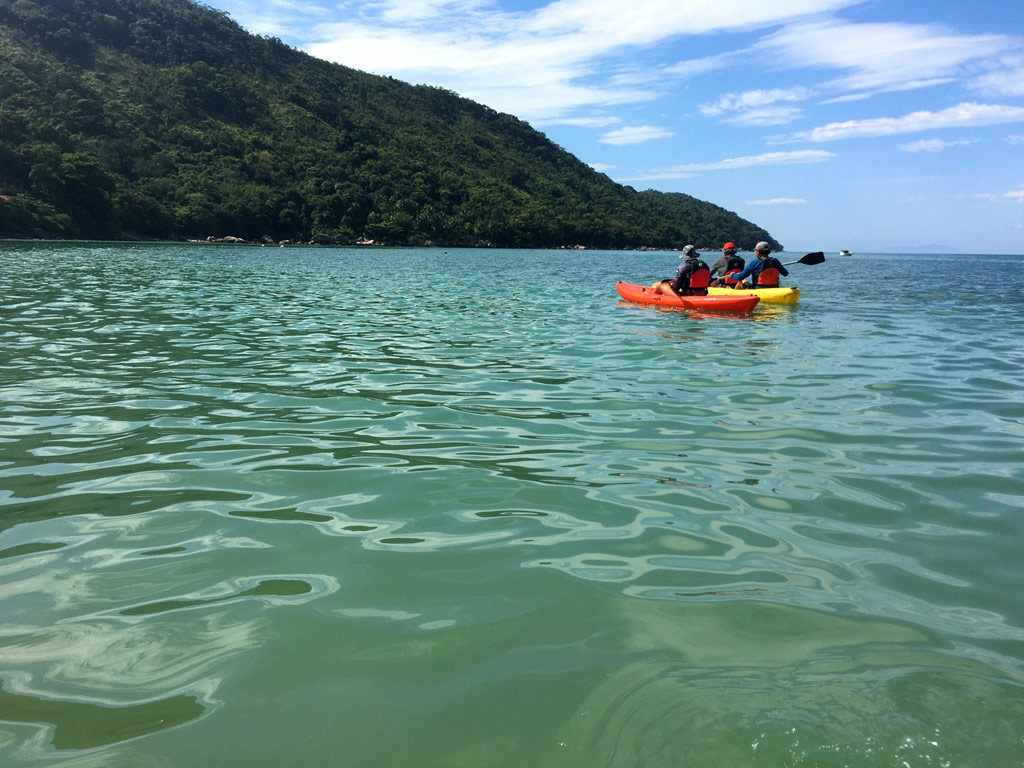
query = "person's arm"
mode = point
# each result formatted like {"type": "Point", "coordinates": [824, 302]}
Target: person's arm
{"type": "Point", "coordinates": [747, 270]}
{"type": "Point", "coordinates": [751, 272]}
{"type": "Point", "coordinates": [721, 264]}
{"type": "Point", "coordinates": [782, 269]}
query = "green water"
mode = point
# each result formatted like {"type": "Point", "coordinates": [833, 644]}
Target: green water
{"type": "Point", "coordinates": [338, 507]}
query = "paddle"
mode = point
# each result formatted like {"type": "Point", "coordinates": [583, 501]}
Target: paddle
{"type": "Point", "coordinates": [810, 258]}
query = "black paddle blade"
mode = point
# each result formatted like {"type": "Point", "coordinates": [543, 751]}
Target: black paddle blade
{"type": "Point", "coordinates": [813, 258]}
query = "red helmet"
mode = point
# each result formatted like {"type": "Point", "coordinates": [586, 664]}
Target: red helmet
{"type": "Point", "coordinates": [729, 247]}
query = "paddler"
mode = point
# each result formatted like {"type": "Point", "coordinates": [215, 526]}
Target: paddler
{"type": "Point", "coordinates": [692, 277]}
{"type": "Point", "coordinates": [727, 267]}
{"type": "Point", "coordinates": [762, 272]}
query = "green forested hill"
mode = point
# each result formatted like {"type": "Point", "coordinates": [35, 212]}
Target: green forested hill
{"type": "Point", "coordinates": [164, 119]}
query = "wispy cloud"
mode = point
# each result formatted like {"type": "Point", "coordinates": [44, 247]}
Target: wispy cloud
{"type": "Point", "coordinates": [407, 11]}
{"type": "Point", "coordinates": [636, 134]}
{"type": "Point", "coordinates": [1014, 195]}
{"type": "Point", "coordinates": [653, 20]}
{"type": "Point", "coordinates": [732, 102]}
{"type": "Point", "coordinates": [961, 116]}
{"type": "Point", "coordinates": [779, 201]}
{"type": "Point", "coordinates": [883, 57]}
{"type": "Point", "coordinates": [559, 58]}
{"type": "Point", "coordinates": [284, 18]}
{"type": "Point", "coordinates": [543, 63]}
{"type": "Point", "coordinates": [933, 145]}
{"type": "Point", "coordinates": [1004, 78]}
{"type": "Point", "coordinates": [693, 67]}
{"type": "Point", "coordinates": [751, 161]}
{"type": "Point", "coordinates": [597, 121]}
{"type": "Point", "coordinates": [758, 107]}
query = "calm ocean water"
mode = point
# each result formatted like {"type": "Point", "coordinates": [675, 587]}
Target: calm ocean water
{"type": "Point", "coordinates": [339, 507]}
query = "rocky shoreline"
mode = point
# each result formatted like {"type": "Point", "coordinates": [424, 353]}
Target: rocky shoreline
{"type": "Point", "coordinates": [331, 240]}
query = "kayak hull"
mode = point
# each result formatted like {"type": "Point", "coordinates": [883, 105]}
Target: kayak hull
{"type": "Point", "coordinates": [644, 294]}
{"type": "Point", "coordinates": [781, 295]}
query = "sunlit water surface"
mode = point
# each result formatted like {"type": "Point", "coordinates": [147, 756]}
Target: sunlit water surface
{"type": "Point", "coordinates": [339, 507]}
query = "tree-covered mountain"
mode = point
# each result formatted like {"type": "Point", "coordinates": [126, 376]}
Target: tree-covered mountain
{"type": "Point", "coordinates": [165, 119]}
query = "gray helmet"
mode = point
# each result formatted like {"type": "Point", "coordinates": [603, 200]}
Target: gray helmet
{"type": "Point", "coordinates": [763, 247]}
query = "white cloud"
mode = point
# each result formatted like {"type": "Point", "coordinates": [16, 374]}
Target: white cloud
{"type": "Point", "coordinates": [1014, 195]}
{"type": "Point", "coordinates": [1004, 78]}
{"type": "Point", "coordinates": [534, 79]}
{"type": "Point", "coordinates": [550, 61]}
{"type": "Point", "coordinates": [653, 20]}
{"type": "Point", "coordinates": [961, 116]}
{"type": "Point", "coordinates": [406, 11]}
{"type": "Point", "coordinates": [883, 57]}
{"type": "Point", "coordinates": [933, 145]}
{"type": "Point", "coordinates": [752, 161]}
{"type": "Point", "coordinates": [636, 134]}
{"type": "Point", "coordinates": [693, 67]}
{"type": "Point", "coordinates": [757, 107]}
{"type": "Point", "coordinates": [737, 102]}
{"type": "Point", "coordinates": [601, 167]}
{"type": "Point", "coordinates": [582, 122]}
{"type": "Point", "coordinates": [769, 158]}
{"type": "Point", "coordinates": [779, 201]}
{"type": "Point", "coordinates": [542, 63]}
{"type": "Point", "coordinates": [766, 116]}
{"type": "Point", "coordinates": [287, 18]}
{"type": "Point", "coordinates": [1015, 138]}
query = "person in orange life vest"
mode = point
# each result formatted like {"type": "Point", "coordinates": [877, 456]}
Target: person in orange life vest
{"type": "Point", "coordinates": [762, 272]}
{"type": "Point", "coordinates": [727, 266]}
{"type": "Point", "coordinates": [692, 277]}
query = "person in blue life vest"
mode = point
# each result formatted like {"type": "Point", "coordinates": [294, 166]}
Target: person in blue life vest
{"type": "Point", "coordinates": [762, 272]}
{"type": "Point", "coordinates": [727, 267]}
{"type": "Point", "coordinates": [692, 277]}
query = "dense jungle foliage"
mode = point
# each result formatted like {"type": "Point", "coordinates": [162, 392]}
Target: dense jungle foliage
{"type": "Point", "coordinates": [164, 119]}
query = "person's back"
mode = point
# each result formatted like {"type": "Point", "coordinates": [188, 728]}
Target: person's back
{"type": "Point", "coordinates": [692, 278]}
{"type": "Point", "coordinates": [727, 267]}
{"type": "Point", "coordinates": [764, 271]}
{"type": "Point", "coordinates": [771, 268]}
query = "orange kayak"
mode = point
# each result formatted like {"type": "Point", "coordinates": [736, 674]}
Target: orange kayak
{"type": "Point", "coordinates": [644, 294]}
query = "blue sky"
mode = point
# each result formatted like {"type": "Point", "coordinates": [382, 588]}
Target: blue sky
{"type": "Point", "coordinates": [833, 124]}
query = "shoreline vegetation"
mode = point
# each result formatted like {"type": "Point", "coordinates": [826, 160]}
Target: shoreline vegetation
{"type": "Point", "coordinates": [165, 120]}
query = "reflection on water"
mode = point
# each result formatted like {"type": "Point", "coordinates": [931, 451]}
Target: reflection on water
{"type": "Point", "coordinates": [79, 725]}
{"type": "Point", "coordinates": [256, 508]}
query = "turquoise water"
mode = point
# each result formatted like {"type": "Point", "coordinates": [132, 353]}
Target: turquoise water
{"type": "Point", "coordinates": [339, 507]}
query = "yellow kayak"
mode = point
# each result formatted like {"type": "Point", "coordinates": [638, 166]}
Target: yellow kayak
{"type": "Point", "coordinates": [782, 295]}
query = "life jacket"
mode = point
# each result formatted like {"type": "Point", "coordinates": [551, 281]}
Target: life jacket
{"type": "Point", "coordinates": [730, 277]}
{"type": "Point", "coordinates": [768, 278]}
{"type": "Point", "coordinates": [702, 277]}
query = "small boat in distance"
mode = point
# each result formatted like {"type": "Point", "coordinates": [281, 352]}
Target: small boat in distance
{"type": "Point", "coordinates": [845, 252]}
